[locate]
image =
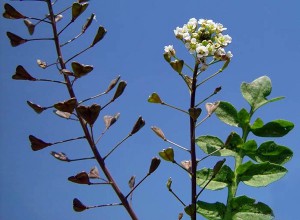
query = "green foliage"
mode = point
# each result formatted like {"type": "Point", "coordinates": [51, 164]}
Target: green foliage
{"type": "Point", "coordinates": [267, 160]}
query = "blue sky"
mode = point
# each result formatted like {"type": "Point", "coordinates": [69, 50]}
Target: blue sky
{"type": "Point", "coordinates": [34, 185]}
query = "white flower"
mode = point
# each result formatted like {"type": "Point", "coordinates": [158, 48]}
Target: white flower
{"type": "Point", "coordinates": [201, 50]}
{"type": "Point", "coordinates": [229, 55]}
{"type": "Point", "coordinates": [192, 24]}
{"type": "Point", "coordinates": [186, 36]}
{"type": "Point", "coordinates": [220, 52]}
{"type": "Point", "coordinates": [224, 39]}
{"type": "Point", "coordinates": [170, 50]}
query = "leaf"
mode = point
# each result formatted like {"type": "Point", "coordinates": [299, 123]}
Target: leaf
{"type": "Point", "coordinates": [246, 208]}
{"type": "Point", "coordinates": [131, 182]}
{"type": "Point", "coordinates": [262, 174]}
{"type": "Point", "coordinates": [234, 142]}
{"type": "Point", "coordinates": [78, 9]}
{"type": "Point", "coordinates": [94, 173]}
{"type": "Point", "coordinates": [112, 84]}
{"type": "Point", "coordinates": [210, 144]}
{"type": "Point", "coordinates": [99, 36]}
{"type": "Point", "coordinates": [167, 154]}
{"type": "Point", "coordinates": [211, 211]}
{"type": "Point", "coordinates": [89, 113]}
{"type": "Point", "coordinates": [42, 64]}
{"type": "Point", "coordinates": [154, 164]}
{"type": "Point", "coordinates": [159, 132]}
{"type": "Point", "coordinates": [250, 147]}
{"type": "Point", "coordinates": [38, 144]}
{"type": "Point", "coordinates": [256, 92]}
{"type": "Point", "coordinates": [195, 113]}
{"type": "Point", "coordinates": [276, 128]}
{"type": "Point", "coordinates": [81, 69]}
{"type": "Point", "coordinates": [120, 89]}
{"type": "Point", "coordinates": [37, 108]}
{"type": "Point", "coordinates": [65, 115]}
{"type": "Point", "coordinates": [221, 180]}
{"type": "Point", "coordinates": [227, 113]}
{"type": "Point", "coordinates": [60, 156]}
{"type": "Point", "coordinates": [211, 107]}
{"type": "Point", "coordinates": [11, 13]}
{"type": "Point", "coordinates": [88, 22]}
{"type": "Point", "coordinates": [15, 40]}
{"type": "Point", "coordinates": [243, 118]}
{"type": "Point", "coordinates": [110, 120]}
{"type": "Point", "coordinates": [30, 26]}
{"type": "Point", "coordinates": [78, 206]}
{"type": "Point", "coordinates": [22, 74]}
{"type": "Point", "coordinates": [177, 65]}
{"type": "Point", "coordinates": [66, 106]}
{"type": "Point", "coordinates": [271, 152]}
{"type": "Point", "coordinates": [80, 178]}
{"type": "Point", "coordinates": [138, 125]}
{"type": "Point", "coordinates": [154, 98]}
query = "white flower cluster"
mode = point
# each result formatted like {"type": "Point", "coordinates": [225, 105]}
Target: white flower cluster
{"type": "Point", "coordinates": [203, 38]}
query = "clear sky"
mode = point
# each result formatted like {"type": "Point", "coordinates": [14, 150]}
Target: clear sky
{"type": "Point", "coordinates": [34, 185]}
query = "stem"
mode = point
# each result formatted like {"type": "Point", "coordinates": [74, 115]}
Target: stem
{"type": "Point", "coordinates": [131, 191]}
{"type": "Point", "coordinates": [171, 106]}
{"type": "Point", "coordinates": [95, 151]}
{"type": "Point", "coordinates": [177, 145]}
{"type": "Point", "coordinates": [192, 143]}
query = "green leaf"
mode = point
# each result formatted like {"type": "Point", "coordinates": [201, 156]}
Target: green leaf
{"type": "Point", "coordinates": [177, 65]}
{"type": "Point", "coordinates": [167, 154]}
{"type": "Point", "coordinates": [273, 153]}
{"type": "Point", "coordinates": [262, 174]}
{"type": "Point", "coordinates": [235, 142]}
{"type": "Point", "coordinates": [211, 211]}
{"type": "Point", "coordinates": [276, 128]}
{"type": "Point", "coordinates": [154, 98]}
{"type": "Point", "coordinates": [256, 92]}
{"type": "Point", "coordinates": [250, 147]}
{"type": "Point", "coordinates": [221, 180]}
{"type": "Point", "coordinates": [78, 9]}
{"type": "Point", "coordinates": [227, 113]}
{"type": "Point", "coordinates": [245, 208]}
{"type": "Point", "coordinates": [210, 144]}
{"type": "Point", "coordinates": [243, 118]}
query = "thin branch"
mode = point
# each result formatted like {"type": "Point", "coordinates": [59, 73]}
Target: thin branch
{"type": "Point", "coordinates": [72, 139]}
{"type": "Point", "coordinates": [177, 145]}
{"type": "Point", "coordinates": [171, 191]}
{"type": "Point", "coordinates": [89, 47]}
{"type": "Point", "coordinates": [163, 103]}
{"type": "Point", "coordinates": [117, 146]}
{"type": "Point", "coordinates": [142, 180]}
{"type": "Point", "coordinates": [93, 97]}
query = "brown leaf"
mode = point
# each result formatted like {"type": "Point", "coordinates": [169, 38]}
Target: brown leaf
{"type": "Point", "coordinates": [38, 109]}
{"type": "Point", "coordinates": [81, 69]}
{"type": "Point", "coordinates": [110, 120]}
{"type": "Point", "coordinates": [66, 106]}
{"type": "Point", "coordinates": [89, 113]}
{"type": "Point", "coordinates": [154, 164]}
{"type": "Point", "coordinates": [138, 125]}
{"type": "Point", "coordinates": [30, 26]}
{"type": "Point", "coordinates": [38, 144]}
{"type": "Point", "coordinates": [11, 13]}
{"type": "Point", "coordinates": [78, 206]}
{"type": "Point", "coordinates": [99, 36]}
{"type": "Point", "coordinates": [15, 40]}
{"type": "Point", "coordinates": [158, 132]}
{"type": "Point", "coordinates": [120, 89]}
{"type": "Point", "coordinates": [60, 156]}
{"type": "Point", "coordinates": [80, 178]}
{"type": "Point", "coordinates": [112, 84]}
{"type": "Point", "coordinates": [22, 74]}
{"type": "Point", "coordinates": [94, 173]}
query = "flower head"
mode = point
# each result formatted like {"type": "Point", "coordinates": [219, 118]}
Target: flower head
{"type": "Point", "coordinates": [203, 38]}
{"type": "Point", "coordinates": [170, 50]}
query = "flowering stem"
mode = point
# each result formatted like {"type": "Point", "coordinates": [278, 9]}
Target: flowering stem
{"type": "Point", "coordinates": [192, 144]}
{"type": "Point", "coordinates": [177, 145]}
{"type": "Point", "coordinates": [98, 157]}
{"type": "Point", "coordinates": [208, 78]}
{"type": "Point", "coordinates": [163, 103]}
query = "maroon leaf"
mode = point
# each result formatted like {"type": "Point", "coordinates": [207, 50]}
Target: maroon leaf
{"type": "Point", "coordinates": [78, 206]}
{"type": "Point", "coordinates": [66, 106]}
{"type": "Point", "coordinates": [15, 40]}
{"type": "Point", "coordinates": [38, 144]}
{"type": "Point", "coordinates": [138, 125]}
{"type": "Point", "coordinates": [11, 13]}
{"type": "Point", "coordinates": [154, 164]}
{"type": "Point", "coordinates": [80, 178]}
{"type": "Point", "coordinates": [89, 113]}
{"type": "Point", "coordinates": [22, 74]}
{"type": "Point", "coordinates": [37, 108]}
